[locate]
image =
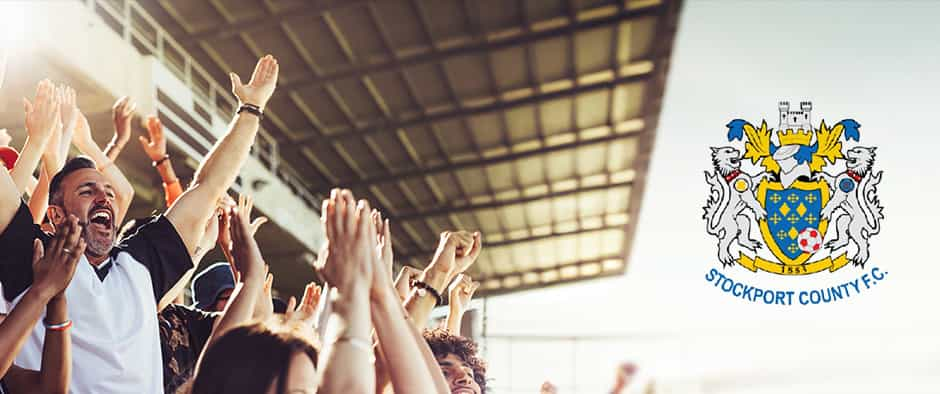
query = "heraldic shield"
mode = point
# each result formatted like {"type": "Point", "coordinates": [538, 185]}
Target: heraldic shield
{"type": "Point", "coordinates": [789, 212]}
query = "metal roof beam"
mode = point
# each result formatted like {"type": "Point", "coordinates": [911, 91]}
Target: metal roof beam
{"type": "Point", "coordinates": [508, 242]}
{"type": "Point", "coordinates": [305, 9]}
{"type": "Point", "coordinates": [436, 55]}
{"type": "Point", "coordinates": [440, 168]}
{"type": "Point", "coordinates": [392, 125]}
{"type": "Point", "coordinates": [503, 203]}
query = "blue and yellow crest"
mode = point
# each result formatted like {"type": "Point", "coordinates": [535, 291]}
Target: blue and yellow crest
{"type": "Point", "coordinates": [806, 219]}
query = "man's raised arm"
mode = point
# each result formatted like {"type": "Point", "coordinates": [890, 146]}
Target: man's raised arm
{"type": "Point", "coordinates": [220, 167]}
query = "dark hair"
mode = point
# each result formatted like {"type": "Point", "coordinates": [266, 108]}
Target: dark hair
{"type": "Point", "coordinates": [443, 343]}
{"type": "Point", "coordinates": [74, 164]}
{"type": "Point", "coordinates": [247, 359]}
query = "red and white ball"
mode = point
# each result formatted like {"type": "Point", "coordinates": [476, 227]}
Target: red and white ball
{"type": "Point", "coordinates": [809, 240]}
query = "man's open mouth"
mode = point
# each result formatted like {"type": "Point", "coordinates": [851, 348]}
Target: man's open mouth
{"type": "Point", "coordinates": [101, 220]}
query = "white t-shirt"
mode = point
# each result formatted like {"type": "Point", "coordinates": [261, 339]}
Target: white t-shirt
{"type": "Point", "coordinates": [115, 340]}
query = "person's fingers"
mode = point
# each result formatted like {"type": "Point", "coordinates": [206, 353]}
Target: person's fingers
{"type": "Point", "coordinates": [352, 211]}
{"type": "Point", "coordinates": [38, 251]}
{"type": "Point", "coordinates": [250, 205]}
{"type": "Point", "coordinates": [387, 234]}
{"type": "Point", "coordinates": [259, 67]}
{"type": "Point", "coordinates": [129, 110]}
{"type": "Point", "coordinates": [236, 81]}
{"type": "Point", "coordinates": [477, 245]}
{"type": "Point", "coordinates": [144, 142]}
{"type": "Point", "coordinates": [120, 103]}
{"type": "Point", "coordinates": [365, 225]}
{"type": "Point", "coordinates": [268, 283]}
{"type": "Point", "coordinates": [326, 218]}
{"type": "Point", "coordinates": [72, 241]}
{"type": "Point", "coordinates": [27, 106]}
{"type": "Point", "coordinates": [291, 303]}
{"type": "Point", "coordinates": [376, 219]}
{"type": "Point", "coordinates": [79, 251]}
{"type": "Point", "coordinates": [339, 205]}
{"type": "Point", "coordinates": [256, 224]}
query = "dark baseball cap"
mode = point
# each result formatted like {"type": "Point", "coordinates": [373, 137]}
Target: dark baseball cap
{"type": "Point", "coordinates": [212, 281]}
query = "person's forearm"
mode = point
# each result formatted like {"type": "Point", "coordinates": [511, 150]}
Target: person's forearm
{"type": "Point", "coordinates": [27, 162]}
{"type": "Point", "coordinates": [56, 350]}
{"type": "Point", "coordinates": [454, 319]}
{"type": "Point", "coordinates": [399, 346]}
{"type": "Point", "coordinates": [124, 191]}
{"type": "Point", "coordinates": [429, 361]}
{"type": "Point", "coordinates": [171, 183]}
{"type": "Point", "coordinates": [192, 209]}
{"type": "Point", "coordinates": [114, 148]}
{"type": "Point", "coordinates": [9, 199]}
{"type": "Point", "coordinates": [221, 166]}
{"type": "Point", "coordinates": [349, 353]}
{"type": "Point", "coordinates": [15, 329]}
{"type": "Point", "coordinates": [241, 306]}
{"type": "Point", "coordinates": [420, 308]}
{"type": "Point", "coordinates": [39, 200]}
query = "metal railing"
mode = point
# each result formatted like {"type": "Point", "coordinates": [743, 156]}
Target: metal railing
{"type": "Point", "coordinates": [132, 22]}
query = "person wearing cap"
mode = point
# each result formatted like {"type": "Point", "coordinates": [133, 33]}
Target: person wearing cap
{"type": "Point", "coordinates": [212, 287]}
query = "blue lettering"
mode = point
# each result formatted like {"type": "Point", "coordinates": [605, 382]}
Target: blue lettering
{"type": "Point", "coordinates": [771, 300]}
{"type": "Point", "coordinates": [875, 273]}
{"type": "Point", "coordinates": [866, 281]}
{"type": "Point", "coordinates": [746, 294]}
{"type": "Point", "coordinates": [790, 297]}
{"type": "Point", "coordinates": [728, 282]}
{"type": "Point", "coordinates": [710, 276]}
{"type": "Point", "coordinates": [736, 289]}
{"type": "Point", "coordinates": [836, 293]}
{"type": "Point", "coordinates": [812, 299]}
{"type": "Point", "coordinates": [780, 296]}
{"type": "Point", "coordinates": [854, 284]}
{"type": "Point", "coordinates": [758, 292]}
{"type": "Point", "coordinates": [803, 298]}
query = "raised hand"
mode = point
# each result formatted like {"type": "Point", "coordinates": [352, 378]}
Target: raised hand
{"type": "Point", "coordinates": [53, 269]}
{"type": "Point", "coordinates": [384, 233]}
{"type": "Point", "coordinates": [404, 279]}
{"type": "Point", "coordinates": [461, 291]}
{"type": "Point", "coordinates": [82, 136]}
{"type": "Point", "coordinates": [122, 113]}
{"type": "Point", "coordinates": [456, 252]}
{"type": "Point", "coordinates": [43, 113]}
{"type": "Point", "coordinates": [245, 252]}
{"type": "Point", "coordinates": [155, 147]}
{"type": "Point", "coordinates": [351, 254]}
{"type": "Point", "coordinates": [306, 312]}
{"type": "Point", "coordinates": [264, 308]}
{"type": "Point", "coordinates": [261, 86]}
{"type": "Point", "coordinates": [69, 113]}
{"type": "Point", "coordinates": [56, 149]}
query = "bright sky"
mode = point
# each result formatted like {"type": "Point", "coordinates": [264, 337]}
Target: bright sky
{"type": "Point", "coordinates": [877, 62]}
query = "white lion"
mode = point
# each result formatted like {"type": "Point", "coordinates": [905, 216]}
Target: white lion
{"type": "Point", "coordinates": [856, 194]}
{"type": "Point", "coordinates": [730, 197]}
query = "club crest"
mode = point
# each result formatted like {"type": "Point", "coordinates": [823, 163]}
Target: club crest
{"type": "Point", "coordinates": [796, 201]}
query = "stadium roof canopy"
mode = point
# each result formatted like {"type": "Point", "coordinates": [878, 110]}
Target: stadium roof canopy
{"type": "Point", "coordinates": [529, 120]}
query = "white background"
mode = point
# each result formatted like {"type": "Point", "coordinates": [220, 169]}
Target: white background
{"type": "Point", "coordinates": [876, 62]}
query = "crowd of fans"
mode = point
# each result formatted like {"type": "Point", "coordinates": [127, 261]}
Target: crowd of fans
{"type": "Point", "coordinates": [95, 305]}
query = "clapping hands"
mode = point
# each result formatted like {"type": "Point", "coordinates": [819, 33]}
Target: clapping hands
{"type": "Point", "coordinates": [352, 241]}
